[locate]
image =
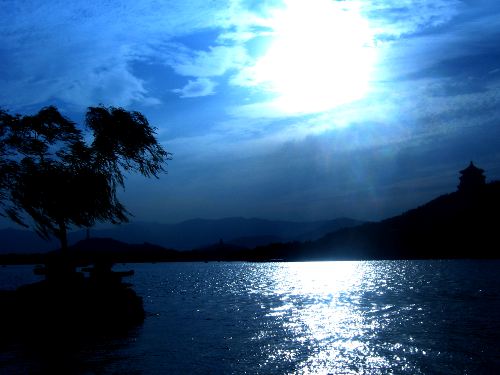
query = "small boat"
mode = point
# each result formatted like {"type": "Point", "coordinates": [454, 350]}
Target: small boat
{"type": "Point", "coordinates": [40, 270]}
{"type": "Point", "coordinates": [124, 273]}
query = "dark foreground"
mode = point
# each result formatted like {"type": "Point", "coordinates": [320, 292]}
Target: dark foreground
{"type": "Point", "coordinates": [70, 304]}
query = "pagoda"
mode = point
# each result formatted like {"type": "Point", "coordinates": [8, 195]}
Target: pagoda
{"type": "Point", "coordinates": [471, 178]}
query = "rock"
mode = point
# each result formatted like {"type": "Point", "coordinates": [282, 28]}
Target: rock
{"type": "Point", "coordinates": [71, 305]}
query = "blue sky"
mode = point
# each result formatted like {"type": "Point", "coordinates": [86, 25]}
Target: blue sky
{"type": "Point", "coordinates": [293, 109]}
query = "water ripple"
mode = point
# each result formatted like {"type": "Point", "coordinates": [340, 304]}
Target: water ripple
{"type": "Point", "coordinates": [404, 317]}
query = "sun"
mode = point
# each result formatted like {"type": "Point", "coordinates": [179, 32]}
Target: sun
{"type": "Point", "coordinates": [321, 56]}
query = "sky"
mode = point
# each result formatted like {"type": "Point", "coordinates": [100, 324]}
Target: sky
{"type": "Point", "coordinates": [293, 110]}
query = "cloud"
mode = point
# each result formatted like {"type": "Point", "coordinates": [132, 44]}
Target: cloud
{"type": "Point", "coordinates": [197, 88]}
{"type": "Point", "coordinates": [464, 42]}
{"type": "Point", "coordinates": [216, 61]}
{"type": "Point", "coordinates": [83, 53]}
{"type": "Point", "coordinates": [392, 19]}
{"type": "Point", "coordinates": [80, 86]}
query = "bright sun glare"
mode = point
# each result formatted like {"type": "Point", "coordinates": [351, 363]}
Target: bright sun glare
{"type": "Point", "coordinates": [321, 56]}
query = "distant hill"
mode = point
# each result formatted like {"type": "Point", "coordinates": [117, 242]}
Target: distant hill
{"type": "Point", "coordinates": [89, 250]}
{"type": "Point", "coordinates": [254, 241]}
{"type": "Point", "coordinates": [455, 225]}
{"type": "Point", "coordinates": [191, 234]}
{"type": "Point", "coordinates": [244, 232]}
{"type": "Point", "coordinates": [463, 224]}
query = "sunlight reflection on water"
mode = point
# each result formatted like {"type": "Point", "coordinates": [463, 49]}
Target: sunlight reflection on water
{"type": "Point", "coordinates": [349, 317]}
{"type": "Point", "coordinates": [318, 306]}
{"type": "Point", "coordinates": [376, 317]}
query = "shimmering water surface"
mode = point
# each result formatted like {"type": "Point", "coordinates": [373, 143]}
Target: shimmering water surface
{"type": "Point", "coordinates": [402, 317]}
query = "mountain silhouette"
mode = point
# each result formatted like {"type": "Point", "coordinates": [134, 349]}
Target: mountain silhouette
{"type": "Point", "coordinates": [185, 235]}
{"type": "Point", "coordinates": [461, 224]}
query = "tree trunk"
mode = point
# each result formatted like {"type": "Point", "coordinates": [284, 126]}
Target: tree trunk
{"type": "Point", "coordinates": [61, 268]}
{"type": "Point", "coordinates": [63, 236]}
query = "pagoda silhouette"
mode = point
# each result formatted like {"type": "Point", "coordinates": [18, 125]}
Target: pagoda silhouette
{"type": "Point", "coordinates": [472, 178]}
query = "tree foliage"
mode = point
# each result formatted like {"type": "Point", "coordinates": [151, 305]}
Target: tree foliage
{"type": "Point", "coordinates": [63, 176]}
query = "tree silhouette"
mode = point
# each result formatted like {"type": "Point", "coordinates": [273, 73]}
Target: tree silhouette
{"type": "Point", "coordinates": [63, 177]}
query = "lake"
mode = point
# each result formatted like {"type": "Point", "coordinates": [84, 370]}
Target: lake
{"type": "Point", "coordinates": [373, 317]}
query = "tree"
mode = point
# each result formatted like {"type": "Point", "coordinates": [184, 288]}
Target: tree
{"type": "Point", "coordinates": [62, 176]}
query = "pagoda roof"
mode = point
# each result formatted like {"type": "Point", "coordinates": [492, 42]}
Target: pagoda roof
{"type": "Point", "coordinates": [471, 169]}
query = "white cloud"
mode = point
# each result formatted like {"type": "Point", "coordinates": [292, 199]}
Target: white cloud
{"type": "Point", "coordinates": [83, 52]}
{"type": "Point", "coordinates": [397, 18]}
{"type": "Point", "coordinates": [216, 61]}
{"type": "Point", "coordinates": [197, 88]}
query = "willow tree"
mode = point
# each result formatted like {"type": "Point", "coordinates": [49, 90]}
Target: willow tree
{"type": "Point", "coordinates": [62, 176]}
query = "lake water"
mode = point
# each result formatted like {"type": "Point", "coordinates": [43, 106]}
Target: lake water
{"type": "Point", "coordinates": [377, 317]}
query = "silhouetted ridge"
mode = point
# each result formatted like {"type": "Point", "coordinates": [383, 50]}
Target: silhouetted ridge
{"type": "Point", "coordinates": [462, 224]}
{"type": "Point", "coordinates": [457, 225]}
